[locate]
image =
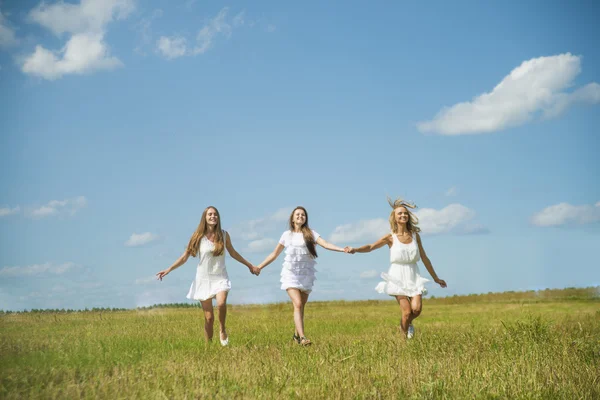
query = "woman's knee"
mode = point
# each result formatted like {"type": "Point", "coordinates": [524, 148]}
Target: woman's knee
{"type": "Point", "coordinates": [416, 312]}
{"type": "Point", "coordinates": [209, 317]}
{"type": "Point", "coordinates": [221, 305]}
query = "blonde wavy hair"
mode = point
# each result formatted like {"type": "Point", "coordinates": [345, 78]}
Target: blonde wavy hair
{"type": "Point", "coordinates": [194, 244]}
{"type": "Point", "coordinates": [413, 221]}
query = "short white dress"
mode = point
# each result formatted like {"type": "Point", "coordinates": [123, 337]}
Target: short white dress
{"type": "Point", "coordinates": [211, 274]}
{"type": "Point", "coordinates": [298, 270]}
{"type": "Point", "coordinates": [403, 277]}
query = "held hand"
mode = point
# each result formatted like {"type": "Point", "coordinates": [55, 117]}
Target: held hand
{"type": "Point", "coordinates": [255, 271]}
{"type": "Point", "coordinates": [440, 282]}
{"type": "Point", "coordinates": [349, 250]}
{"type": "Point", "coordinates": [162, 274]}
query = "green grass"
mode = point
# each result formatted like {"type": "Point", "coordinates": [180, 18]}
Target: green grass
{"type": "Point", "coordinates": [511, 345]}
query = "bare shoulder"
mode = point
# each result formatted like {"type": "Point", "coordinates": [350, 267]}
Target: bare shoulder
{"type": "Point", "coordinates": [387, 238]}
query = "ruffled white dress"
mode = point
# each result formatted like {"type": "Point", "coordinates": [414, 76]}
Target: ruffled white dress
{"type": "Point", "coordinates": [211, 274]}
{"type": "Point", "coordinates": [298, 270]}
{"type": "Point", "coordinates": [403, 277]}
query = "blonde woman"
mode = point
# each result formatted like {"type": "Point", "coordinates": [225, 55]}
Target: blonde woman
{"type": "Point", "coordinates": [209, 242]}
{"type": "Point", "coordinates": [403, 280]}
{"type": "Point", "coordinates": [298, 273]}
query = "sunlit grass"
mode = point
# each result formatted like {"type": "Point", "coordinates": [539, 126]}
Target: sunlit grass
{"type": "Point", "coordinates": [511, 345]}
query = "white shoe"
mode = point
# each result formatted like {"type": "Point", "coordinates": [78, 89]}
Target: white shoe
{"type": "Point", "coordinates": [224, 342]}
{"type": "Point", "coordinates": [411, 332]}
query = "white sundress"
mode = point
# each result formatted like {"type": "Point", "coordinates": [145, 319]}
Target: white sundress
{"type": "Point", "coordinates": [403, 277]}
{"type": "Point", "coordinates": [211, 274]}
{"type": "Point", "coordinates": [298, 270]}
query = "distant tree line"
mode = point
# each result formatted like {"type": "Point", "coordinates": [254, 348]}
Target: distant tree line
{"type": "Point", "coordinates": [99, 309]}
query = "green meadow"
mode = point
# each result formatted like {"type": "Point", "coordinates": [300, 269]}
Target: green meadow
{"type": "Point", "coordinates": [517, 345]}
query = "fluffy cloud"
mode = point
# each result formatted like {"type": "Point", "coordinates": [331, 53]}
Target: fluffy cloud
{"type": "Point", "coordinates": [537, 86]}
{"type": "Point", "coordinates": [261, 245]}
{"type": "Point", "coordinates": [361, 231]}
{"type": "Point", "coordinates": [452, 219]}
{"type": "Point", "coordinates": [85, 51]}
{"type": "Point", "coordinates": [172, 47]}
{"type": "Point", "coordinates": [141, 239]}
{"type": "Point", "coordinates": [37, 269]}
{"type": "Point", "coordinates": [220, 25]}
{"type": "Point", "coordinates": [56, 207]}
{"type": "Point", "coordinates": [5, 211]}
{"type": "Point", "coordinates": [7, 34]}
{"type": "Point", "coordinates": [257, 228]}
{"type": "Point", "coordinates": [564, 213]}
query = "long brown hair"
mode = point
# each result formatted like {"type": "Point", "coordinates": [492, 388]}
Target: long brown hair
{"type": "Point", "coordinates": [306, 232]}
{"type": "Point", "coordinates": [411, 225]}
{"type": "Point", "coordinates": [194, 245]}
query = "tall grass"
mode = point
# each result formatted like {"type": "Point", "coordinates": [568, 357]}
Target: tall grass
{"type": "Point", "coordinates": [536, 347]}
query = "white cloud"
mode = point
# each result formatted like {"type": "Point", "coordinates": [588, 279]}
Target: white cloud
{"type": "Point", "coordinates": [257, 228]}
{"type": "Point", "coordinates": [37, 269]}
{"type": "Point", "coordinates": [271, 28]}
{"type": "Point", "coordinates": [535, 87]}
{"type": "Point", "coordinates": [144, 31]}
{"type": "Point", "coordinates": [220, 25]}
{"type": "Point", "coordinates": [85, 51]}
{"type": "Point", "coordinates": [172, 47]}
{"type": "Point", "coordinates": [369, 274]}
{"type": "Point", "coordinates": [5, 211]}
{"type": "Point", "coordinates": [7, 34]}
{"type": "Point", "coordinates": [565, 213]}
{"type": "Point", "coordinates": [361, 231]}
{"type": "Point", "coordinates": [55, 207]}
{"type": "Point", "coordinates": [453, 191]}
{"type": "Point", "coordinates": [140, 239]}
{"type": "Point", "coordinates": [89, 16]}
{"type": "Point", "coordinates": [452, 219]}
{"type": "Point", "coordinates": [261, 245]}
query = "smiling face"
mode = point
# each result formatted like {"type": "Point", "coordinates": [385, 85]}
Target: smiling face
{"type": "Point", "coordinates": [298, 217]}
{"type": "Point", "coordinates": [401, 215]}
{"type": "Point", "coordinates": [212, 217]}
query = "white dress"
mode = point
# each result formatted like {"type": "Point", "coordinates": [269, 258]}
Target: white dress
{"type": "Point", "coordinates": [298, 270]}
{"type": "Point", "coordinates": [211, 274]}
{"type": "Point", "coordinates": [403, 277]}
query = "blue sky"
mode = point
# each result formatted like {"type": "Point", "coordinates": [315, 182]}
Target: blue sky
{"type": "Point", "coordinates": [122, 120]}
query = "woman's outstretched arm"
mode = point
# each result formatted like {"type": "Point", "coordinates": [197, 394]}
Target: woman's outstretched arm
{"type": "Point", "coordinates": [428, 264]}
{"type": "Point", "coordinates": [329, 246]}
{"type": "Point", "coordinates": [237, 256]}
{"type": "Point", "coordinates": [367, 248]}
{"type": "Point", "coordinates": [271, 257]}
{"type": "Point", "coordinates": [178, 263]}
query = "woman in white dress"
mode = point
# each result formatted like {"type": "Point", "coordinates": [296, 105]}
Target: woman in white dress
{"type": "Point", "coordinates": [403, 280]}
{"type": "Point", "coordinates": [298, 273]}
{"type": "Point", "coordinates": [209, 243]}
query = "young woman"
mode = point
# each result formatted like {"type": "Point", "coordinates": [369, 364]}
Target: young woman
{"type": "Point", "coordinates": [298, 273]}
{"type": "Point", "coordinates": [209, 243]}
{"type": "Point", "coordinates": [403, 280]}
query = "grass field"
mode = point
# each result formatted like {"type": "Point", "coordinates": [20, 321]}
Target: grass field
{"type": "Point", "coordinates": [511, 345]}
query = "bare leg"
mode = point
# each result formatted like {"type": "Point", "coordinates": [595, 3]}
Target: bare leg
{"type": "Point", "coordinates": [209, 319]}
{"type": "Point", "coordinates": [299, 300]}
{"type": "Point", "coordinates": [222, 310]}
{"type": "Point", "coordinates": [416, 304]}
{"type": "Point", "coordinates": [406, 313]}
